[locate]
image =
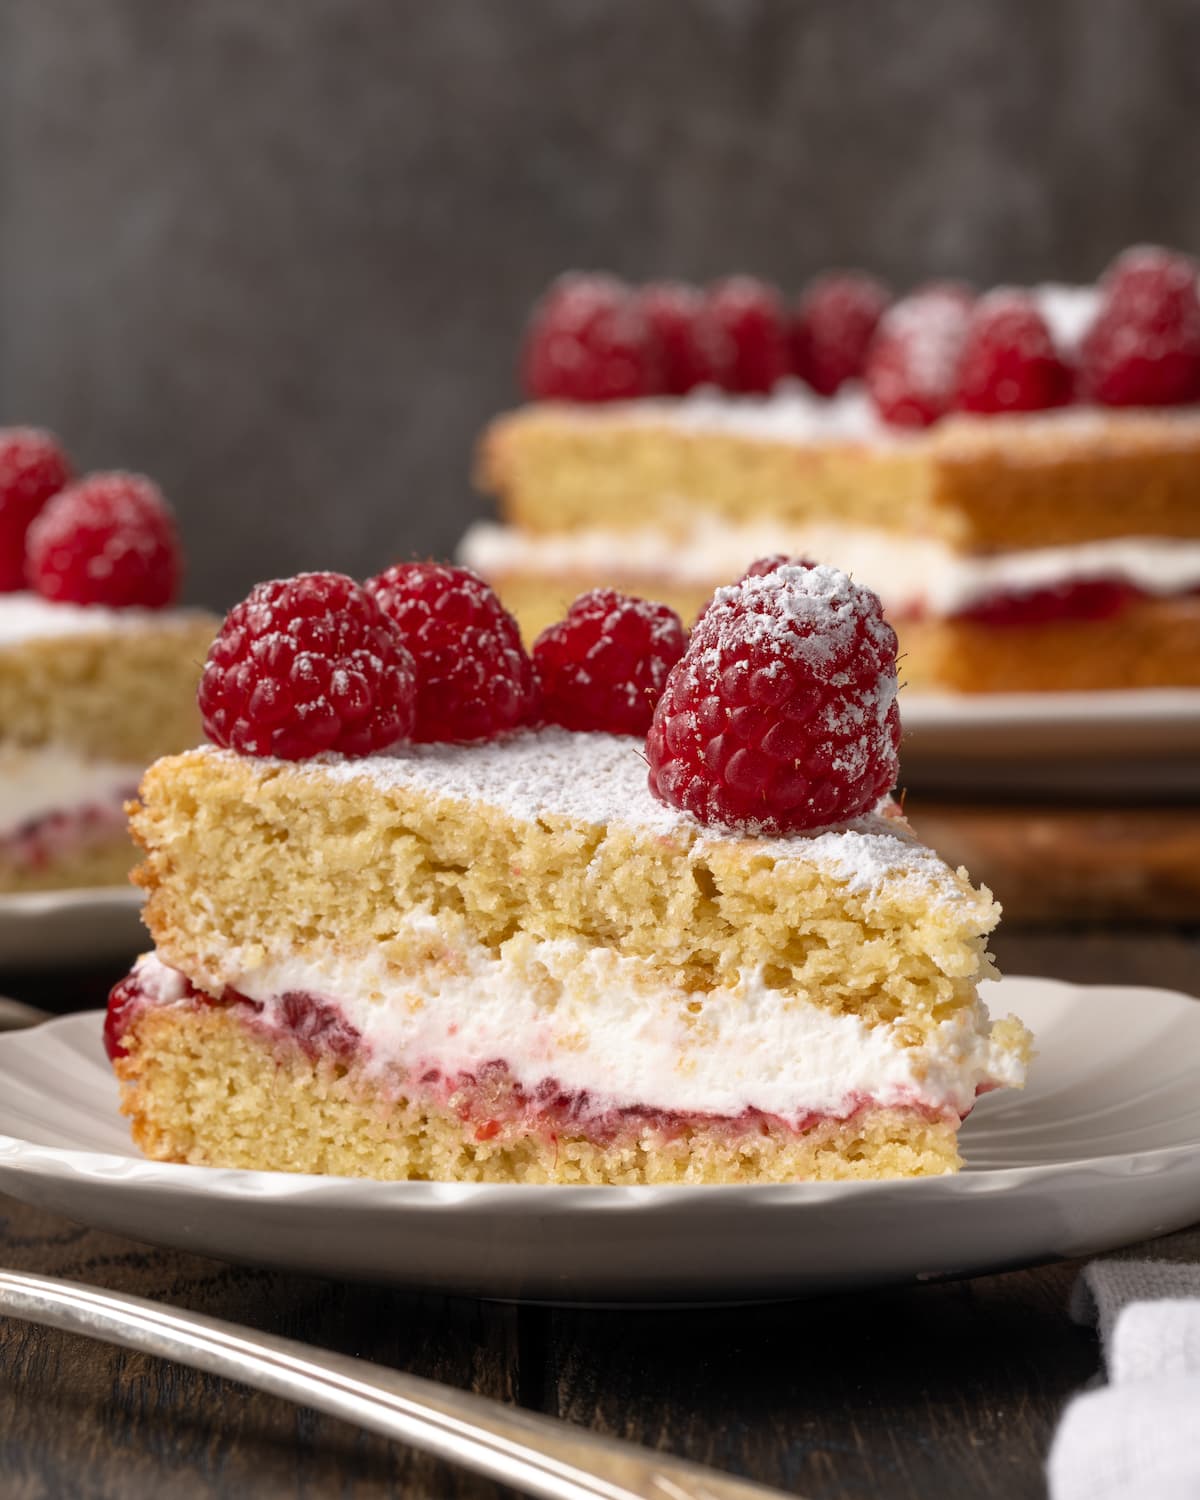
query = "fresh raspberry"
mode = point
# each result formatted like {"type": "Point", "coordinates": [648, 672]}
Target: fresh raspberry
{"type": "Point", "coordinates": [1143, 347]}
{"type": "Point", "coordinates": [913, 358]}
{"type": "Point", "coordinates": [604, 666]}
{"type": "Point", "coordinates": [1008, 361]}
{"type": "Point", "coordinates": [587, 340]}
{"type": "Point", "coordinates": [304, 665]}
{"type": "Point", "coordinates": [750, 320]}
{"type": "Point", "coordinates": [694, 350]}
{"type": "Point", "coordinates": [32, 468]}
{"type": "Point", "coordinates": [782, 713]}
{"type": "Point", "coordinates": [474, 677]}
{"type": "Point", "coordinates": [108, 539]}
{"type": "Point", "coordinates": [832, 329]}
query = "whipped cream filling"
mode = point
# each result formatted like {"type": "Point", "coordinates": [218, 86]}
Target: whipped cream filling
{"type": "Point", "coordinates": [38, 782]}
{"type": "Point", "coordinates": [29, 617]}
{"type": "Point", "coordinates": [912, 575]}
{"type": "Point", "coordinates": [600, 1024]}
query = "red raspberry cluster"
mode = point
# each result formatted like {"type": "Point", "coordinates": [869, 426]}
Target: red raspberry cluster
{"type": "Point", "coordinates": [424, 652]}
{"type": "Point", "coordinates": [778, 715]}
{"type": "Point", "coordinates": [781, 714]}
{"type": "Point", "coordinates": [107, 539]}
{"type": "Point", "coordinates": [938, 350]}
{"type": "Point", "coordinates": [320, 663]}
{"type": "Point", "coordinates": [593, 338]}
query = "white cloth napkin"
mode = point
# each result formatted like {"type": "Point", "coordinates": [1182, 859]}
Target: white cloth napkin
{"type": "Point", "coordinates": [1138, 1437]}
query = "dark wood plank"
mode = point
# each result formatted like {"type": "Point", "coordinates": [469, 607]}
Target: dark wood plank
{"type": "Point", "coordinates": [941, 1390]}
{"type": "Point", "coordinates": [80, 1419]}
{"type": "Point", "coordinates": [1052, 863]}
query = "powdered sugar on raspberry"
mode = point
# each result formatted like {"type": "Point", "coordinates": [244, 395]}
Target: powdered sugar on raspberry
{"type": "Point", "coordinates": [807, 614]}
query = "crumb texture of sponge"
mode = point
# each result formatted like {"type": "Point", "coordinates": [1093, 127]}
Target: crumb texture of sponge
{"type": "Point", "coordinates": [126, 695]}
{"type": "Point", "coordinates": [975, 482]}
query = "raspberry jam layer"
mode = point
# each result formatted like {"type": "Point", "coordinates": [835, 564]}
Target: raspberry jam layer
{"type": "Point", "coordinates": [1078, 600]}
{"type": "Point", "coordinates": [488, 1099]}
{"type": "Point", "coordinates": [45, 841]}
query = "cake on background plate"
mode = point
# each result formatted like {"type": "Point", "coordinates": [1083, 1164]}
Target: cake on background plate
{"type": "Point", "coordinates": [636, 910]}
{"type": "Point", "coordinates": [97, 673]}
{"type": "Point", "coordinates": [1015, 474]}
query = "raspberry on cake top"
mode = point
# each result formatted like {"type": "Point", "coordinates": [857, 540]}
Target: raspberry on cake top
{"type": "Point", "coordinates": [97, 674]}
{"type": "Point", "coordinates": [548, 954]}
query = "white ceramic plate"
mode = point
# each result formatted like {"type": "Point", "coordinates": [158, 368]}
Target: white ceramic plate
{"type": "Point", "coordinates": [1102, 1149]}
{"type": "Point", "coordinates": [49, 929]}
{"type": "Point", "coordinates": [1077, 741]}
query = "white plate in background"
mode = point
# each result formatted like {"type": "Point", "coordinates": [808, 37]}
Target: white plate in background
{"type": "Point", "coordinates": [54, 929]}
{"type": "Point", "coordinates": [1138, 741]}
{"type": "Point", "coordinates": [1134, 721]}
{"type": "Point", "coordinates": [1102, 1149]}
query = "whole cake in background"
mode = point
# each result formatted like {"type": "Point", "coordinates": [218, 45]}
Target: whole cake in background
{"type": "Point", "coordinates": [97, 673]}
{"type": "Point", "coordinates": [631, 908]}
{"type": "Point", "coordinates": [1017, 473]}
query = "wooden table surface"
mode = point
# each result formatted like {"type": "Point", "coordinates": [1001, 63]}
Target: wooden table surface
{"type": "Point", "coordinates": [942, 1390]}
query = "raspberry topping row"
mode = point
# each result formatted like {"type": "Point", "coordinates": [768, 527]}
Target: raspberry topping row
{"type": "Point", "coordinates": [593, 338]}
{"type": "Point", "coordinates": [779, 714]}
{"type": "Point", "coordinates": [424, 652]}
{"type": "Point", "coordinates": [939, 349]}
{"type": "Point", "coordinates": [106, 539]}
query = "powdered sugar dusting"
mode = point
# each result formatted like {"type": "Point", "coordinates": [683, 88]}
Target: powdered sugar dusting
{"type": "Point", "coordinates": [29, 617]}
{"type": "Point", "coordinates": [597, 780]}
{"type": "Point", "coordinates": [932, 328]}
{"type": "Point", "coordinates": [791, 413]}
{"type": "Point", "coordinates": [1069, 312]}
{"type": "Point", "coordinates": [812, 615]}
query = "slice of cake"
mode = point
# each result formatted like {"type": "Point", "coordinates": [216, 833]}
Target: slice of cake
{"type": "Point", "coordinates": [89, 696]}
{"type": "Point", "coordinates": [1015, 475]}
{"type": "Point", "coordinates": [515, 959]}
{"type": "Point", "coordinates": [97, 676]}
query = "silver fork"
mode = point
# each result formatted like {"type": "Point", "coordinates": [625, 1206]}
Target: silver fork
{"type": "Point", "coordinates": [535, 1454]}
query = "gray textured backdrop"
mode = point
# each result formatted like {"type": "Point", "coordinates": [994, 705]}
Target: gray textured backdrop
{"type": "Point", "coordinates": [278, 255]}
